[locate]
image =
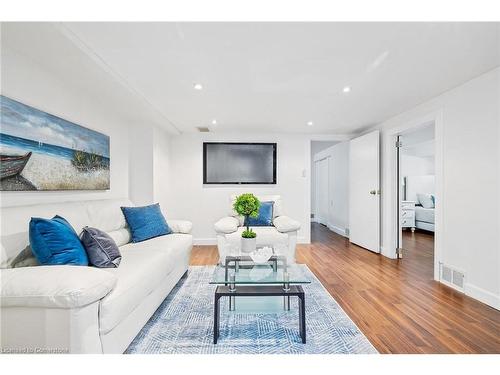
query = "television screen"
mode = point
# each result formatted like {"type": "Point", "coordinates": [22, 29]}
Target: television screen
{"type": "Point", "coordinates": [239, 163]}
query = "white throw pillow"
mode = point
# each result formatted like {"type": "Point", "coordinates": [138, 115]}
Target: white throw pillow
{"type": "Point", "coordinates": [426, 200]}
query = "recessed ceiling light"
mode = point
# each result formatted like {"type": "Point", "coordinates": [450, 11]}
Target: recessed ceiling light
{"type": "Point", "coordinates": [309, 123]}
{"type": "Point", "coordinates": [198, 86]}
{"type": "Point", "coordinates": [214, 122]}
{"type": "Point", "coordinates": [346, 89]}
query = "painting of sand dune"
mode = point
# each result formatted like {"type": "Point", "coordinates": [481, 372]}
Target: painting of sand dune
{"type": "Point", "coordinates": [40, 151]}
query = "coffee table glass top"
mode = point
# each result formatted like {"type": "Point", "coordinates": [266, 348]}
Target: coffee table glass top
{"type": "Point", "coordinates": [259, 274]}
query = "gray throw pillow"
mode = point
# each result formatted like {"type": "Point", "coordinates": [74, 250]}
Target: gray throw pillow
{"type": "Point", "coordinates": [101, 249]}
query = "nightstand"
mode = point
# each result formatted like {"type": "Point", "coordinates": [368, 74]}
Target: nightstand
{"type": "Point", "coordinates": [408, 215]}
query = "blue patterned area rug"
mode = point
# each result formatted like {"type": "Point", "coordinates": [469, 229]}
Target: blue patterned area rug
{"type": "Point", "coordinates": [183, 324]}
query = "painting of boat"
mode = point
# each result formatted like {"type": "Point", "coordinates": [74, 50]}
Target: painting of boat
{"type": "Point", "coordinates": [41, 151]}
{"type": "Point", "coordinates": [12, 165]}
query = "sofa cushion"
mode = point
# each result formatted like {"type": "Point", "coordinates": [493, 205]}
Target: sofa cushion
{"type": "Point", "coordinates": [54, 286]}
{"type": "Point", "coordinates": [180, 226]}
{"type": "Point", "coordinates": [54, 241]}
{"type": "Point", "coordinates": [146, 222]}
{"type": "Point", "coordinates": [144, 265]}
{"type": "Point", "coordinates": [121, 236]}
{"type": "Point", "coordinates": [103, 214]}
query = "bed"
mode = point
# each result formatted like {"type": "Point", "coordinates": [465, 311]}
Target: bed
{"type": "Point", "coordinates": [424, 217]}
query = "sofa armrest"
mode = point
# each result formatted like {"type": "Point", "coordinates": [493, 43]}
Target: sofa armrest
{"type": "Point", "coordinates": [54, 286]}
{"type": "Point", "coordinates": [227, 225]}
{"type": "Point", "coordinates": [180, 226]}
{"type": "Point", "coordinates": [285, 225]}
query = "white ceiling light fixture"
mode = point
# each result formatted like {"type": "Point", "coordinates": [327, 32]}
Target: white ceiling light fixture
{"type": "Point", "coordinates": [310, 123]}
{"type": "Point", "coordinates": [198, 86]}
{"type": "Point", "coordinates": [214, 122]}
{"type": "Point", "coordinates": [346, 89]}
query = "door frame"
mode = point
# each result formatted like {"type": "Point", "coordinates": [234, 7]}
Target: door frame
{"type": "Point", "coordinates": [327, 158]}
{"type": "Point", "coordinates": [392, 205]}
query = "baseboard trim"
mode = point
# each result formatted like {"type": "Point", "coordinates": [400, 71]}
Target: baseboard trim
{"type": "Point", "coordinates": [338, 230]}
{"type": "Point", "coordinates": [482, 295]}
{"type": "Point", "coordinates": [302, 240]}
{"type": "Point", "coordinates": [204, 241]}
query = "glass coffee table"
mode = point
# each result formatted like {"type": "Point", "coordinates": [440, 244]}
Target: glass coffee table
{"type": "Point", "coordinates": [241, 277]}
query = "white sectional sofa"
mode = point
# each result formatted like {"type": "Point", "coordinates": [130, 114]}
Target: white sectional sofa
{"type": "Point", "coordinates": [84, 309]}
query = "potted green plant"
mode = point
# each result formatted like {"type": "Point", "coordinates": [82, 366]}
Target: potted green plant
{"type": "Point", "coordinates": [247, 205]}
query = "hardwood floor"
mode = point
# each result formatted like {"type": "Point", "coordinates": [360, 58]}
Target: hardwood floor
{"type": "Point", "coordinates": [396, 304]}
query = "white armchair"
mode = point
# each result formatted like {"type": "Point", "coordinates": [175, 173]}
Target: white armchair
{"type": "Point", "coordinates": [283, 232]}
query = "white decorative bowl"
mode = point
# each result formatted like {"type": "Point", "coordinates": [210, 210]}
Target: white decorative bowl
{"type": "Point", "coordinates": [262, 255]}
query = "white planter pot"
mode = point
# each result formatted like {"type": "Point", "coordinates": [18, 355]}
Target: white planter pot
{"type": "Point", "coordinates": [248, 244]}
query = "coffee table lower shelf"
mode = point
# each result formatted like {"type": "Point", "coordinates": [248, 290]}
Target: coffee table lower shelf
{"type": "Point", "coordinates": [263, 291]}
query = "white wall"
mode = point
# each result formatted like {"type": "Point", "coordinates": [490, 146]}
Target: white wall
{"type": "Point", "coordinates": [27, 82]}
{"type": "Point", "coordinates": [416, 166]}
{"type": "Point", "coordinates": [205, 204]}
{"type": "Point", "coordinates": [338, 219]}
{"type": "Point", "coordinates": [141, 148]}
{"type": "Point", "coordinates": [138, 152]}
{"type": "Point", "coordinates": [161, 168]}
{"type": "Point", "coordinates": [469, 236]}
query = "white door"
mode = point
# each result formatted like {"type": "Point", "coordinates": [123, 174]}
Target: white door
{"type": "Point", "coordinates": [364, 191]}
{"type": "Point", "coordinates": [322, 187]}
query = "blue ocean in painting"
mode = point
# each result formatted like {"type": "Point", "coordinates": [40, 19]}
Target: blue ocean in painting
{"type": "Point", "coordinates": [28, 123]}
{"type": "Point", "coordinates": [39, 147]}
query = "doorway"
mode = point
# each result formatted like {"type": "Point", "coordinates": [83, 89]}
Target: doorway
{"type": "Point", "coordinates": [320, 181]}
{"type": "Point", "coordinates": [322, 195]}
{"type": "Point", "coordinates": [330, 185]}
{"type": "Point", "coordinates": [417, 197]}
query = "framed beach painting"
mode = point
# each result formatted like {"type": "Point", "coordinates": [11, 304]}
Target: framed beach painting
{"type": "Point", "coordinates": [40, 151]}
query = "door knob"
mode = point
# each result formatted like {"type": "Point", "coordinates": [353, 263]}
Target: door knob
{"type": "Point", "coordinates": [373, 192]}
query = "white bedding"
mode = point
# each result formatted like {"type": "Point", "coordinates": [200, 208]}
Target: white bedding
{"type": "Point", "coordinates": [424, 214]}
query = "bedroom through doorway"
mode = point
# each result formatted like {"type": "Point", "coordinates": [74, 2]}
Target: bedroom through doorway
{"type": "Point", "coordinates": [417, 199]}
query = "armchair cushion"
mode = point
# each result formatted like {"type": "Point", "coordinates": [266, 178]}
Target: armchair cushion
{"type": "Point", "coordinates": [227, 225]}
{"type": "Point", "coordinates": [180, 226]}
{"type": "Point", "coordinates": [284, 224]}
{"type": "Point", "coordinates": [54, 286]}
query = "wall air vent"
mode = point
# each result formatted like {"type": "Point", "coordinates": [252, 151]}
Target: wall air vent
{"type": "Point", "coordinates": [452, 277]}
{"type": "Point", "coordinates": [203, 129]}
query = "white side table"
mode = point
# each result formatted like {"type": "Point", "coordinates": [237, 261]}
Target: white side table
{"type": "Point", "coordinates": [408, 215]}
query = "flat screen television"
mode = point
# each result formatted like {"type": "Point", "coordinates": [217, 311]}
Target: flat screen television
{"type": "Point", "coordinates": [239, 163]}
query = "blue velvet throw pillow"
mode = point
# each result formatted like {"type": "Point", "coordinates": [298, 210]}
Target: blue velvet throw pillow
{"type": "Point", "coordinates": [265, 218]}
{"type": "Point", "coordinates": [55, 242]}
{"type": "Point", "coordinates": [146, 222]}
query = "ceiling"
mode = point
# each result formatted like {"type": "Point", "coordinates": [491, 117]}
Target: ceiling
{"type": "Point", "coordinates": [271, 77]}
{"type": "Point", "coordinates": [318, 146]}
